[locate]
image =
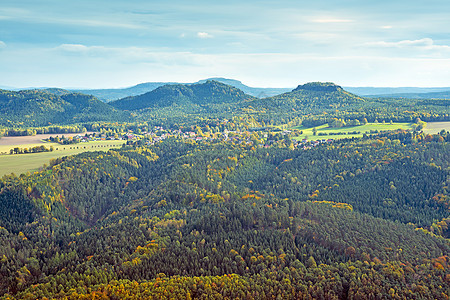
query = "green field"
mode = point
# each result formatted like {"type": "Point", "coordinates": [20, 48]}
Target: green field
{"type": "Point", "coordinates": [340, 133]}
{"type": "Point", "coordinates": [21, 163]}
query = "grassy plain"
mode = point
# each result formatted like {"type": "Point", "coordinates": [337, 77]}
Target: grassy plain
{"type": "Point", "coordinates": [21, 163]}
{"type": "Point", "coordinates": [340, 133]}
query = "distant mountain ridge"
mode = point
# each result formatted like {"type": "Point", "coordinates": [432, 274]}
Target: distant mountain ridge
{"type": "Point", "coordinates": [391, 91]}
{"type": "Point", "coordinates": [108, 95]}
{"type": "Point", "coordinates": [433, 95]}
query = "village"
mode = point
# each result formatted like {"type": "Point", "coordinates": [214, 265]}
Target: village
{"type": "Point", "coordinates": [260, 139]}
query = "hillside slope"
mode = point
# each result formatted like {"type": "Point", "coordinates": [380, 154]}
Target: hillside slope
{"type": "Point", "coordinates": [39, 108]}
{"type": "Point", "coordinates": [108, 95]}
{"type": "Point", "coordinates": [311, 97]}
{"type": "Point", "coordinates": [210, 92]}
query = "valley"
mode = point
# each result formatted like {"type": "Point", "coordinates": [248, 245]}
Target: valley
{"type": "Point", "coordinates": [202, 189]}
{"type": "Point", "coordinates": [283, 150]}
{"type": "Point", "coordinates": [19, 164]}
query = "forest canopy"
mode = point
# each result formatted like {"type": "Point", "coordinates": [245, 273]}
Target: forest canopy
{"type": "Point", "coordinates": [213, 194]}
{"type": "Point", "coordinates": [225, 219]}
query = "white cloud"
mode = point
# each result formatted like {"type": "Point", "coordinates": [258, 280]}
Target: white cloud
{"type": "Point", "coordinates": [204, 35]}
{"type": "Point", "coordinates": [424, 44]}
{"type": "Point", "coordinates": [331, 20]}
{"type": "Point", "coordinates": [93, 23]}
{"type": "Point", "coordinates": [317, 36]}
{"type": "Point", "coordinates": [404, 43]}
{"type": "Point", "coordinates": [129, 55]}
{"type": "Point", "coordinates": [97, 51]}
{"type": "Point", "coordinates": [2, 45]}
{"type": "Point", "coordinates": [73, 48]}
{"type": "Point", "coordinates": [31, 16]}
{"type": "Point", "coordinates": [99, 67]}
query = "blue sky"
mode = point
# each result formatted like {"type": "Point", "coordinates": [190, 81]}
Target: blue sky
{"type": "Point", "coordinates": [100, 44]}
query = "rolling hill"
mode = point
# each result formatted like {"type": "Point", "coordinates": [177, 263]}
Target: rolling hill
{"type": "Point", "coordinates": [210, 92]}
{"type": "Point", "coordinates": [310, 96]}
{"type": "Point", "coordinates": [40, 108]}
{"type": "Point", "coordinates": [108, 95]}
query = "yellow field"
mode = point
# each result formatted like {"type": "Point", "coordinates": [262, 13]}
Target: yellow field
{"type": "Point", "coordinates": [435, 127]}
{"type": "Point", "coordinates": [21, 163]}
{"type": "Point", "coordinates": [33, 139]}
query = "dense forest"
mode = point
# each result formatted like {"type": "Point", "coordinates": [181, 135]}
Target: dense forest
{"type": "Point", "coordinates": [188, 96]}
{"type": "Point", "coordinates": [356, 218]}
{"type": "Point", "coordinates": [39, 108]}
{"type": "Point", "coordinates": [211, 197]}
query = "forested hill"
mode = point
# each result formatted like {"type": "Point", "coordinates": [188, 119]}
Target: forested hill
{"type": "Point", "coordinates": [319, 87]}
{"type": "Point", "coordinates": [310, 95]}
{"type": "Point", "coordinates": [210, 92]}
{"type": "Point", "coordinates": [315, 103]}
{"type": "Point", "coordinates": [108, 95]}
{"type": "Point", "coordinates": [58, 91]}
{"type": "Point", "coordinates": [38, 108]}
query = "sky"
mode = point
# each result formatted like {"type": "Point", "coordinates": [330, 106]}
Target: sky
{"type": "Point", "coordinates": [111, 44]}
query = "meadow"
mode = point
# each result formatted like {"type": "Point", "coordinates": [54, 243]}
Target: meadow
{"type": "Point", "coordinates": [347, 132]}
{"type": "Point", "coordinates": [22, 163]}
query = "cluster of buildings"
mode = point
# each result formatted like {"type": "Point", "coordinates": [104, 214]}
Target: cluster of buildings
{"type": "Point", "coordinates": [104, 137]}
{"type": "Point", "coordinates": [236, 137]}
{"type": "Point", "coordinates": [158, 133]}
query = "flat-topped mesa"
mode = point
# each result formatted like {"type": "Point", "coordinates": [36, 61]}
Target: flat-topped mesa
{"type": "Point", "coordinates": [319, 87]}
